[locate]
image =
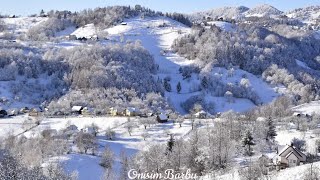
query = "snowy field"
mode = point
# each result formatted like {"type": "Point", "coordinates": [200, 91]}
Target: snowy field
{"type": "Point", "coordinates": [308, 108]}
{"type": "Point", "coordinates": [130, 144]}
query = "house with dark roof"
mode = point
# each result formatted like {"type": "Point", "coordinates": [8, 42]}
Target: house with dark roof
{"type": "Point", "coordinates": [289, 156]}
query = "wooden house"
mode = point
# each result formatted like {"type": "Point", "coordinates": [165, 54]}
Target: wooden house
{"type": "Point", "coordinates": [289, 156]}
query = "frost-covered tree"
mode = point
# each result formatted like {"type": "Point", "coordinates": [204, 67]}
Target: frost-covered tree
{"type": "Point", "coordinates": [107, 158]}
{"type": "Point", "coordinates": [300, 144]}
{"type": "Point", "coordinates": [85, 142]}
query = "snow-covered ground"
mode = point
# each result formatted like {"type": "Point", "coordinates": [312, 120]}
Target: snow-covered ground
{"type": "Point", "coordinates": [285, 137]}
{"type": "Point", "coordinates": [308, 108]}
{"type": "Point", "coordinates": [87, 31]}
{"type": "Point", "coordinates": [23, 24]}
{"type": "Point", "coordinates": [130, 144]}
{"type": "Point", "coordinates": [223, 25]}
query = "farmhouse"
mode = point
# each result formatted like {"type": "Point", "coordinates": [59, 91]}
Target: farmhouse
{"type": "Point", "coordinates": [289, 156]}
{"type": "Point", "coordinates": [24, 110]}
{"type": "Point", "coordinates": [131, 111]}
{"type": "Point", "coordinates": [86, 111]}
{"type": "Point", "coordinates": [35, 112]}
{"type": "Point", "coordinates": [116, 111]}
{"type": "Point", "coordinates": [162, 118]}
{"type": "Point", "coordinates": [201, 114]}
{"type": "Point", "coordinates": [76, 109]}
{"type": "Point", "coordinates": [13, 112]}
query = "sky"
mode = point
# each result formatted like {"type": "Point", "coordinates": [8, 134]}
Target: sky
{"type": "Point", "coordinates": [27, 7]}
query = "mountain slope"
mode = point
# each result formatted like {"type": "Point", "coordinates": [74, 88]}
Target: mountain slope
{"type": "Point", "coordinates": [308, 14]}
{"type": "Point", "coordinates": [225, 12]}
{"type": "Point", "coordinates": [263, 10]}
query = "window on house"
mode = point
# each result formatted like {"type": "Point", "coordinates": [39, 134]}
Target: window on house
{"type": "Point", "coordinates": [294, 161]}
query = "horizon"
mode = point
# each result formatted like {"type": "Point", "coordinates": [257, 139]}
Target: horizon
{"type": "Point", "coordinates": [34, 7]}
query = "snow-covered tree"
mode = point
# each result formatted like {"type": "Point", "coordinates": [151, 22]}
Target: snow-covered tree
{"type": "Point", "coordinates": [248, 142]}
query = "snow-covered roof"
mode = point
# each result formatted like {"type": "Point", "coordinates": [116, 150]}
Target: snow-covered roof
{"type": "Point", "coordinates": [76, 108]}
{"type": "Point", "coordinates": [132, 109]}
{"type": "Point", "coordinates": [294, 149]}
{"type": "Point", "coordinates": [202, 112]}
{"type": "Point", "coordinates": [163, 117]}
{"type": "Point", "coordinates": [261, 119]}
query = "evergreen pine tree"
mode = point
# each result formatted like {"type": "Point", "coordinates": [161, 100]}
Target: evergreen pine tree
{"type": "Point", "coordinates": [179, 87]}
{"type": "Point", "coordinates": [247, 142]}
{"type": "Point", "coordinates": [271, 133]}
{"type": "Point", "coordinates": [167, 85]}
{"type": "Point", "coordinates": [204, 83]}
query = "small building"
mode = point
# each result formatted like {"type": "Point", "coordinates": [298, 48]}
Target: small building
{"type": "Point", "coordinates": [35, 112]}
{"type": "Point", "coordinates": [87, 111]}
{"type": "Point", "coordinates": [3, 113]}
{"type": "Point", "coordinates": [13, 112]}
{"type": "Point", "coordinates": [24, 110]}
{"type": "Point", "coordinates": [131, 111]}
{"type": "Point", "coordinates": [124, 23]}
{"type": "Point", "coordinates": [162, 118]}
{"type": "Point", "coordinates": [289, 156]}
{"type": "Point", "coordinates": [201, 114]}
{"type": "Point", "coordinates": [116, 111]}
{"type": "Point", "coordinates": [76, 109]}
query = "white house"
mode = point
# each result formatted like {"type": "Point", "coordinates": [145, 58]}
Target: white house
{"type": "Point", "coordinates": [289, 156]}
{"type": "Point", "coordinates": [131, 111]}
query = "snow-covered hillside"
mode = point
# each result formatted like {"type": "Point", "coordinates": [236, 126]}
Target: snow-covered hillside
{"type": "Point", "coordinates": [263, 10]}
{"type": "Point", "coordinates": [308, 108]}
{"type": "Point", "coordinates": [157, 36]}
{"type": "Point", "coordinates": [23, 24]}
{"type": "Point", "coordinates": [225, 26]}
{"type": "Point", "coordinates": [225, 12]}
{"type": "Point", "coordinates": [308, 14]}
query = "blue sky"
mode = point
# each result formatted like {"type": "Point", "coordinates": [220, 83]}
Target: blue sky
{"type": "Point", "coordinates": [25, 7]}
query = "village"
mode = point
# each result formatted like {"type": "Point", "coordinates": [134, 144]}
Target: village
{"type": "Point", "coordinates": [130, 123]}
